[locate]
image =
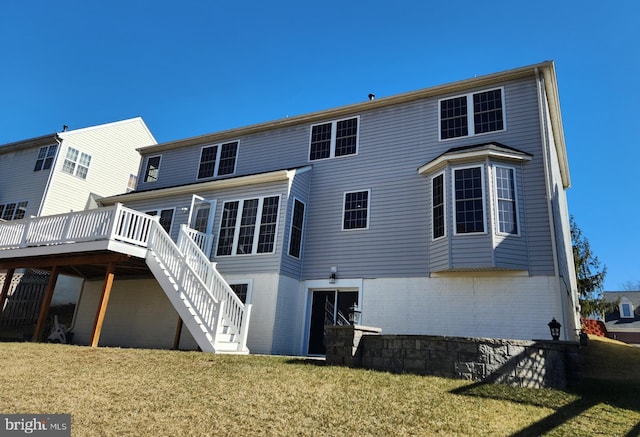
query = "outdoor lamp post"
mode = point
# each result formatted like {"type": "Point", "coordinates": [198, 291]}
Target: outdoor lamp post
{"type": "Point", "coordinates": [554, 327]}
{"type": "Point", "coordinates": [354, 315]}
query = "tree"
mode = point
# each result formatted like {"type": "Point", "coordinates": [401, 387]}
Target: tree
{"type": "Point", "coordinates": [589, 274]}
{"type": "Point", "coordinates": [631, 286]}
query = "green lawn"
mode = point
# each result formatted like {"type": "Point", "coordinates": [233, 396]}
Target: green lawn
{"type": "Point", "coordinates": [120, 392]}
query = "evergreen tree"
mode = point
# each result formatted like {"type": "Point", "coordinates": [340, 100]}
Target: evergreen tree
{"type": "Point", "coordinates": [590, 275]}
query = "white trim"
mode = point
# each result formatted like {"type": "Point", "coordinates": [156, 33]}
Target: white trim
{"type": "Point", "coordinates": [216, 164]}
{"type": "Point", "coordinates": [304, 215]}
{"type": "Point", "coordinates": [256, 231]}
{"type": "Point", "coordinates": [455, 203]}
{"type": "Point", "coordinates": [471, 114]}
{"type": "Point", "coordinates": [468, 155]}
{"type": "Point", "coordinates": [146, 169]}
{"type": "Point", "coordinates": [332, 144]}
{"type": "Point", "coordinates": [497, 200]}
{"type": "Point", "coordinates": [625, 301]}
{"type": "Point", "coordinates": [444, 203]}
{"type": "Point", "coordinates": [249, 283]}
{"type": "Point", "coordinates": [344, 199]}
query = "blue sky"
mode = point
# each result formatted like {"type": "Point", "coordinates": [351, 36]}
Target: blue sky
{"type": "Point", "coordinates": [194, 67]}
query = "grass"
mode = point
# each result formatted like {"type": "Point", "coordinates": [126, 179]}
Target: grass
{"type": "Point", "coordinates": [121, 392]}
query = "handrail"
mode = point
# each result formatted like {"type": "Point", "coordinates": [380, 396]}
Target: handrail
{"type": "Point", "coordinates": [234, 309]}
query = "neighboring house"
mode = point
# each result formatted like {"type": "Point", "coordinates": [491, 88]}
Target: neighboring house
{"type": "Point", "coordinates": [440, 211]}
{"type": "Point", "coordinates": [69, 171]}
{"type": "Point", "coordinates": [624, 323]}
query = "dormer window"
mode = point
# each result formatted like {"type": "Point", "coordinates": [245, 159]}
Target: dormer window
{"type": "Point", "coordinates": [626, 309]}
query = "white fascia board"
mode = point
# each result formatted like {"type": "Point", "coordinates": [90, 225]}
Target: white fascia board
{"type": "Point", "coordinates": [456, 157]}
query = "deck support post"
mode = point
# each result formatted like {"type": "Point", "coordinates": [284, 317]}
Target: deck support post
{"type": "Point", "coordinates": [5, 288]}
{"type": "Point", "coordinates": [102, 305]}
{"type": "Point", "coordinates": [46, 303]}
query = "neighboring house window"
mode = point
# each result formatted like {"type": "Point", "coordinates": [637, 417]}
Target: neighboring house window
{"type": "Point", "coordinates": [356, 210]}
{"type": "Point", "coordinates": [248, 226]}
{"type": "Point", "coordinates": [45, 157]}
{"type": "Point", "coordinates": [626, 311]}
{"type": "Point", "coordinates": [13, 211]}
{"type": "Point", "coordinates": [506, 200]}
{"type": "Point", "coordinates": [241, 290]}
{"type": "Point", "coordinates": [76, 163]}
{"type": "Point", "coordinates": [334, 139]}
{"type": "Point", "coordinates": [297, 223]}
{"type": "Point", "coordinates": [468, 193]}
{"type": "Point", "coordinates": [152, 169]}
{"type": "Point", "coordinates": [166, 218]}
{"type": "Point", "coordinates": [218, 160]}
{"type": "Point", "coordinates": [487, 116]}
{"type": "Point", "coordinates": [437, 207]}
{"type": "Point", "coordinates": [131, 185]}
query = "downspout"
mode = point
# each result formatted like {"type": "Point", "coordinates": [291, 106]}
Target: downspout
{"type": "Point", "coordinates": [50, 178]}
{"type": "Point", "coordinates": [549, 189]}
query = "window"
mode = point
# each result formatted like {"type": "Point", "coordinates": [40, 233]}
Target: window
{"type": "Point", "coordinates": [45, 157]}
{"type": "Point", "coordinates": [356, 210]}
{"type": "Point", "coordinates": [76, 163]}
{"type": "Point", "coordinates": [242, 221]}
{"type": "Point", "coordinates": [626, 310]}
{"type": "Point", "coordinates": [131, 184]}
{"type": "Point", "coordinates": [297, 223]}
{"type": "Point", "coordinates": [334, 139]}
{"type": "Point", "coordinates": [166, 218]}
{"type": "Point", "coordinates": [241, 290]}
{"type": "Point", "coordinates": [152, 169]}
{"type": "Point", "coordinates": [437, 206]}
{"type": "Point", "coordinates": [13, 211]}
{"type": "Point", "coordinates": [469, 199]}
{"type": "Point", "coordinates": [488, 114]}
{"type": "Point", "coordinates": [218, 160]}
{"type": "Point", "coordinates": [507, 216]}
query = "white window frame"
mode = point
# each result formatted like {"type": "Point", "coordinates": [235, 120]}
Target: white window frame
{"type": "Point", "coordinates": [45, 150]}
{"type": "Point", "coordinates": [344, 200]}
{"type": "Point", "coordinates": [17, 206]}
{"type": "Point", "coordinates": [444, 204]}
{"type": "Point", "coordinates": [304, 216]}
{"type": "Point", "coordinates": [216, 165]}
{"type": "Point", "coordinates": [76, 163]}
{"type": "Point", "coordinates": [627, 302]}
{"type": "Point", "coordinates": [497, 199]}
{"type": "Point", "coordinates": [146, 169]}
{"type": "Point", "coordinates": [332, 147]}
{"type": "Point", "coordinates": [471, 114]}
{"type": "Point", "coordinates": [256, 230]}
{"type": "Point", "coordinates": [455, 203]}
{"type": "Point", "coordinates": [249, 283]}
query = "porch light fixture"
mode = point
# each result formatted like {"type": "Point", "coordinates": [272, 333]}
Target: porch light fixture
{"type": "Point", "coordinates": [332, 278]}
{"type": "Point", "coordinates": [354, 315]}
{"type": "Point", "coordinates": [184, 210]}
{"type": "Point", "coordinates": [554, 327]}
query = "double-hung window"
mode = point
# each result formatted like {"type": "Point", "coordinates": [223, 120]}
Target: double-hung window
{"type": "Point", "coordinates": [334, 139]}
{"type": "Point", "coordinates": [468, 191]}
{"type": "Point", "coordinates": [152, 169]}
{"type": "Point", "coordinates": [472, 114]}
{"type": "Point", "coordinates": [437, 206]}
{"type": "Point", "coordinates": [13, 211]}
{"type": "Point", "coordinates": [506, 202]}
{"type": "Point", "coordinates": [218, 160]}
{"type": "Point", "coordinates": [356, 210]}
{"type": "Point", "coordinates": [248, 226]}
{"type": "Point", "coordinates": [76, 163]}
{"type": "Point", "coordinates": [297, 223]}
{"type": "Point", "coordinates": [45, 157]}
{"type": "Point", "coordinates": [166, 218]}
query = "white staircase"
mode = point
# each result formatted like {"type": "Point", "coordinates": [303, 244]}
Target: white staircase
{"type": "Point", "coordinates": [208, 307]}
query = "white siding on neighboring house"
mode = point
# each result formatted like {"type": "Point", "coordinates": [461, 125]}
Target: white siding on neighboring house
{"type": "Point", "coordinates": [113, 159]}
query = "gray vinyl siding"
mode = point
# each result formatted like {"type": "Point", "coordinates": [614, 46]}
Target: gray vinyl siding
{"type": "Point", "coordinates": [18, 181]}
{"type": "Point", "coordinates": [394, 141]}
{"type": "Point", "coordinates": [292, 266]}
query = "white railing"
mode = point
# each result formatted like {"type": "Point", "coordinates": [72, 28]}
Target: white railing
{"type": "Point", "coordinates": [235, 312]}
{"type": "Point", "coordinates": [204, 241]}
{"type": "Point", "coordinates": [111, 223]}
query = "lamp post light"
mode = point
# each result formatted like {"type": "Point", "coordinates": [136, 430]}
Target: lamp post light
{"type": "Point", "coordinates": [554, 327]}
{"type": "Point", "coordinates": [354, 315]}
